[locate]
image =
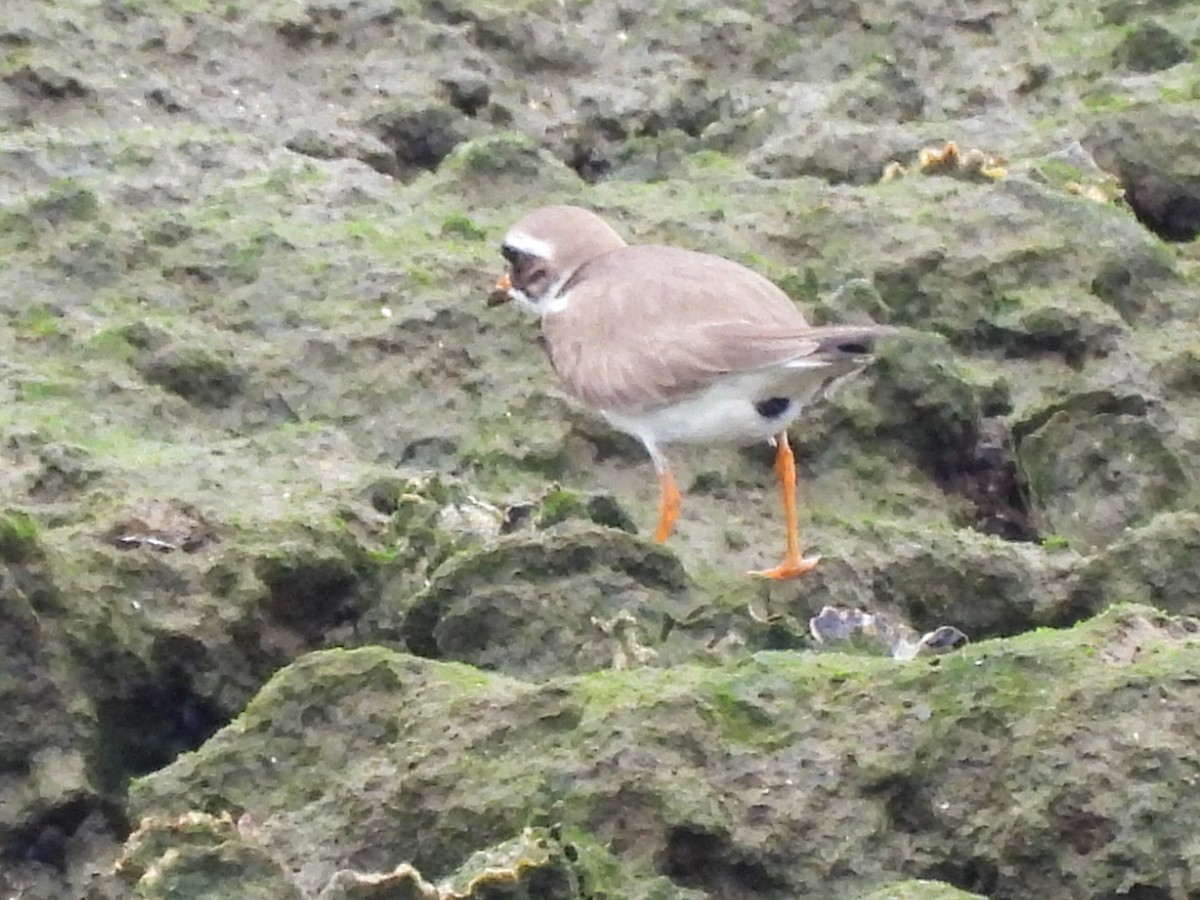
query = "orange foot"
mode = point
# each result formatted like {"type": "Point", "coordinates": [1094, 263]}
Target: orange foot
{"type": "Point", "coordinates": [668, 506]}
{"type": "Point", "coordinates": [793, 564]}
{"type": "Point", "coordinates": [789, 568]}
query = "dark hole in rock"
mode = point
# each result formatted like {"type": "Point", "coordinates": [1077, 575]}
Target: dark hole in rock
{"type": "Point", "coordinates": [199, 375]}
{"type": "Point", "coordinates": [165, 100]}
{"type": "Point", "coordinates": [1037, 75]}
{"type": "Point", "coordinates": [590, 164]}
{"type": "Point", "coordinates": [310, 596]}
{"type": "Point", "coordinates": [550, 882]}
{"type": "Point", "coordinates": [705, 861]}
{"type": "Point", "coordinates": [1074, 344]}
{"type": "Point", "coordinates": [606, 510]}
{"type": "Point", "coordinates": [1148, 892]}
{"type": "Point", "coordinates": [1166, 206]}
{"type": "Point", "coordinates": [46, 82]}
{"type": "Point", "coordinates": [907, 804]}
{"type": "Point", "coordinates": [153, 724]}
{"type": "Point", "coordinates": [44, 840]}
{"type": "Point", "coordinates": [467, 92]}
{"type": "Point", "coordinates": [1149, 46]}
{"type": "Point", "coordinates": [1085, 831]}
{"type": "Point", "coordinates": [984, 470]}
{"type": "Point", "coordinates": [428, 452]}
{"type": "Point", "coordinates": [517, 516]}
{"type": "Point", "coordinates": [298, 35]}
{"type": "Point", "coordinates": [976, 875]}
{"type": "Point", "coordinates": [383, 499]}
{"type": "Point", "coordinates": [783, 636]}
{"type": "Point", "coordinates": [420, 138]}
{"type": "Point", "coordinates": [968, 450]}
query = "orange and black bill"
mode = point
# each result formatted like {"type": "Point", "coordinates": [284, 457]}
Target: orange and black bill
{"type": "Point", "coordinates": [500, 293]}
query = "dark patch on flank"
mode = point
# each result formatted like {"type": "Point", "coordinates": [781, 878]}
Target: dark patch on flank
{"type": "Point", "coordinates": [855, 348]}
{"type": "Point", "coordinates": [773, 407]}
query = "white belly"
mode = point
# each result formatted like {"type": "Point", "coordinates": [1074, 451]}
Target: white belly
{"type": "Point", "coordinates": [722, 413]}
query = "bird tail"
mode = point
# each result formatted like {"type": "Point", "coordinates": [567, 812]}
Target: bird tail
{"type": "Point", "coordinates": [847, 346]}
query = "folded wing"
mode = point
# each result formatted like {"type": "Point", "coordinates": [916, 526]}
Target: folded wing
{"type": "Point", "coordinates": [643, 329]}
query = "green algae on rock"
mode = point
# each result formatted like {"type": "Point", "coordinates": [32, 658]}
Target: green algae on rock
{"type": "Point", "coordinates": [876, 762]}
{"type": "Point", "coordinates": [218, 295]}
{"type": "Point", "coordinates": [18, 536]}
{"type": "Point", "coordinates": [1156, 564]}
{"type": "Point", "coordinates": [501, 168]}
{"type": "Point", "coordinates": [502, 606]}
{"type": "Point", "coordinates": [48, 782]}
{"type": "Point", "coordinates": [1114, 467]}
{"type": "Point", "coordinates": [1150, 46]}
{"type": "Point", "coordinates": [919, 890]}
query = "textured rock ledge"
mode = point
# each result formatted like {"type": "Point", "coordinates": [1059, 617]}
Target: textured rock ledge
{"type": "Point", "coordinates": [1057, 763]}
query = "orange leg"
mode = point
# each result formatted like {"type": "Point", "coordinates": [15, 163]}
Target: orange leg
{"type": "Point", "coordinates": [793, 563]}
{"type": "Point", "coordinates": [668, 507]}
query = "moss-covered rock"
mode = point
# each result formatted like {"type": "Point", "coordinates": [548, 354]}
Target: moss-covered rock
{"type": "Point", "coordinates": [1093, 474]}
{"type": "Point", "coordinates": [1150, 46]}
{"type": "Point", "coordinates": [503, 165]}
{"type": "Point", "coordinates": [48, 776]}
{"type": "Point", "coordinates": [534, 605]}
{"type": "Point", "coordinates": [18, 537]}
{"type": "Point", "coordinates": [919, 890]}
{"type": "Point", "coordinates": [1156, 564]}
{"type": "Point", "coordinates": [706, 774]}
{"type": "Point", "coordinates": [984, 585]}
{"type": "Point", "coordinates": [252, 405]}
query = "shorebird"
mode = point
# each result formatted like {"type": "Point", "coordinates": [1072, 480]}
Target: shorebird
{"type": "Point", "coordinates": [674, 346]}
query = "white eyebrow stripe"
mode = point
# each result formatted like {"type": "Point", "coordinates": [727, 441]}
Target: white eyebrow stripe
{"type": "Point", "coordinates": [531, 246]}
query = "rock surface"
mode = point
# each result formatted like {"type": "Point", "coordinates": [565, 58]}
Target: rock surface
{"type": "Point", "coordinates": [782, 775]}
{"type": "Point", "coordinates": [258, 428]}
